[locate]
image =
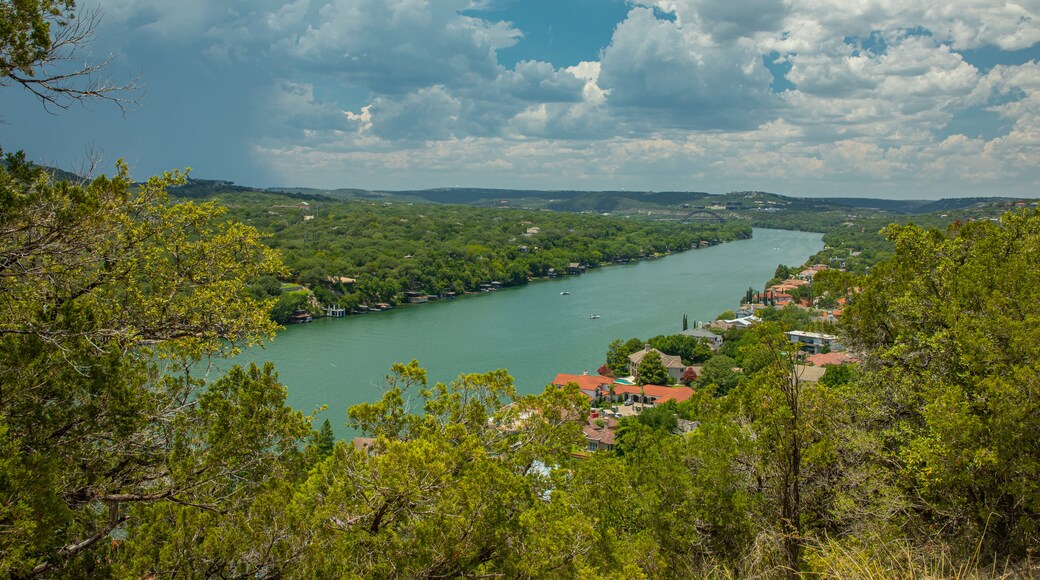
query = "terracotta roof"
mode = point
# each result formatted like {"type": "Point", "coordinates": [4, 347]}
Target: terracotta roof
{"type": "Point", "coordinates": [584, 382]}
{"type": "Point", "coordinates": [831, 358]}
{"type": "Point", "coordinates": [604, 435]}
{"type": "Point", "coordinates": [662, 394]}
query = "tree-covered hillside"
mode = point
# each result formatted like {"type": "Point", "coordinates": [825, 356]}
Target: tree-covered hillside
{"type": "Point", "coordinates": [386, 248]}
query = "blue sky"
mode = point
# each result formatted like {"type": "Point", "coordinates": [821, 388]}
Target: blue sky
{"type": "Point", "coordinates": [875, 98]}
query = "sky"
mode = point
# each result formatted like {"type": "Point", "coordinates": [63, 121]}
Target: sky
{"type": "Point", "coordinates": [917, 99]}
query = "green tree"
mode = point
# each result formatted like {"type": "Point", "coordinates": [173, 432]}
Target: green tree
{"type": "Point", "coordinates": [662, 417]}
{"type": "Point", "coordinates": [618, 352]}
{"type": "Point", "coordinates": [719, 371]}
{"type": "Point", "coordinates": [837, 375]}
{"type": "Point", "coordinates": [651, 371]}
{"type": "Point", "coordinates": [947, 324]}
{"type": "Point", "coordinates": [451, 489]}
{"type": "Point", "coordinates": [109, 298]}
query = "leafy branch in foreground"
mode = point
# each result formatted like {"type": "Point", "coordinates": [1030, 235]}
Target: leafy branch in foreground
{"type": "Point", "coordinates": [109, 295]}
{"type": "Point", "coordinates": [40, 41]}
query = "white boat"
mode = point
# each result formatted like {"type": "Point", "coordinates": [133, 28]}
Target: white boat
{"type": "Point", "coordinates": [594, 316]}
{"type": "Point", "coordinates": [565, 293]}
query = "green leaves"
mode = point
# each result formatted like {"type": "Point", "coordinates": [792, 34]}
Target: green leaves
{"type": "Point", "coordinates": [950, 325]}
{"type": "Point", "coordinates": [96, 280]}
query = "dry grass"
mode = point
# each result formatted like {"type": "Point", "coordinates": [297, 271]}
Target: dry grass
{"type": "Point", "coordinates": [848, 560]}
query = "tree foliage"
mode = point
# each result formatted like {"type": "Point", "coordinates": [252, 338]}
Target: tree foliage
{"type": "Point", "coordinates": [39, 42]}
{"type": "Point", "coordinates": [109, 296]}
{"type": "Point", "coordinates": [651, 370]}
{"type": "Point", "coordinates": [949, 323]}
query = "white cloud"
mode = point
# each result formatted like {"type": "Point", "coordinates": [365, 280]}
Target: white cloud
{"type": "Point", "coordinates": [413, 91]}
{"type": "Point", "coordinates": [665, 73]}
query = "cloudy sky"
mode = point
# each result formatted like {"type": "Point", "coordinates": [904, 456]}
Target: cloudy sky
{"type": "Point", "coordinates": [883, 98]}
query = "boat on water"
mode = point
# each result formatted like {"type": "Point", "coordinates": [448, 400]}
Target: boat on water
{"type": "Point", "coordinates": [594, 316]}
{"type": "Point", "coordinates": [565, 293]}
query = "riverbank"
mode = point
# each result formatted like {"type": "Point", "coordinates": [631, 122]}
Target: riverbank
{"type": "Point", "coordinates": [532, 330]}
{"type": "Point", "coordinates": [315, 310]}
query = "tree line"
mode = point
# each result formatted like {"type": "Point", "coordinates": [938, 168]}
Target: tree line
{"type": "Point", "coordinates": [360, 252]}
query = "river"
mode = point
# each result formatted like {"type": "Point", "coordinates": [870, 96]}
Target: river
{"type": "Point", "coordinates": [533, 330]}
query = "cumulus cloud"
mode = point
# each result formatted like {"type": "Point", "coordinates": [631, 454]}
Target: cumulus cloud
{"type": "Point", "coordinates": [398, 46]}
{"type": "Point", "coordinates": [413, 92]}
{"type": "Point", "coordinates": [667, 72]}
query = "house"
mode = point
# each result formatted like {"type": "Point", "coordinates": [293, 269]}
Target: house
{"type": "Point", "coordinates": [672, 364]}
{"type": "Point", "coordinates": [814, 342]}
{"type": "Point", "coordinates": [416, 297]}
{"type": "Point", "coordinates": [714, 340]}
{"type": "Point", "coordinates": [593, 386]}
{"type": "Point", "coordinates": [650, 395]}
{"type": "Point", "coordinates": [341, 280]}
{"type": "Point", "coordinates": [600, 432]}
{"type": "Point", "coordinates": [810, 272]}
{"type": "Point", "coordinates": [742, 322]}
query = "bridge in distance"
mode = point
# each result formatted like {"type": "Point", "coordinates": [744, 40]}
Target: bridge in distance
{"type": "Point", "coordinates": [702, 215]}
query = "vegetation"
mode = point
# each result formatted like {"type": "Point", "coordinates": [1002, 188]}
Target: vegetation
{"type": "Point", "coordinates": [356, 252]}
{"type": "Point", "coordinates": [651, 371]}
{"type": "Point", "coordinates": [122, 458]}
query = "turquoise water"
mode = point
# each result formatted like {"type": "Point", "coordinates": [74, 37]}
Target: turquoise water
{"type": "Point", "coordinates": [533, 331]}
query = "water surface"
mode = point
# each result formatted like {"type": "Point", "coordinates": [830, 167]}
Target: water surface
{"type": "Point", "coordinates": [533, 331]}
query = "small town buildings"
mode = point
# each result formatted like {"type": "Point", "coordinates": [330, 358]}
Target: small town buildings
{"type": "Point", "coordinates": [600, 388]}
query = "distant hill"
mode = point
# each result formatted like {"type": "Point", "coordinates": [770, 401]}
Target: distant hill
{"type": "Point", "coordinates": [204, 188]}
{"type": "Point", "coordinates": [669, 202]}
{"type": "Point", "coordinates": [961, 203]}
{"type": "Point", "coordinates": [894, 205]}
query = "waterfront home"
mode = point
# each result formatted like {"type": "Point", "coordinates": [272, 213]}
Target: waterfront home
{"type": "Point", "coordinates": [672, 364]}
{"type": "Point", "coordinates": [814, 342]}
{"type": "Point", "coordinates": [593, 386]}
{"type": "Point", "coordinates": [416, 297]}
{"type": "Point", "coordinates": [742, 322]}
{"type": "Point", "coordinates": [334, 311]}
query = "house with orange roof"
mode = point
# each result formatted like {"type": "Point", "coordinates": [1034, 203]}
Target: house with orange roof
{"type": "Point", "coordinates": [651, 395]}
{"type": "Point", "coordinates": [591, 385]}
